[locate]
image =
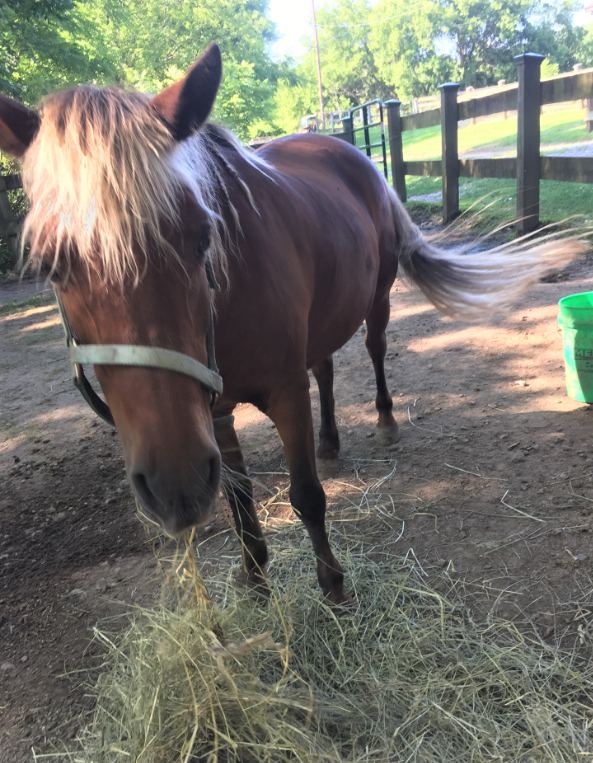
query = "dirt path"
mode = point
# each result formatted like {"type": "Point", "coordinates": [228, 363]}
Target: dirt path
{"type": "Point", "coordinates": [493, 477]}
{"type": "Point", "coordinates": [15, 289]}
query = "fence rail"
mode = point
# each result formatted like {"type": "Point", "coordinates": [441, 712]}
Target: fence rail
{"type": "Point", "coordinates": [526, 98]}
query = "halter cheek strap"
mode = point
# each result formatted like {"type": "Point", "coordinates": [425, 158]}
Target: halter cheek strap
{"type": "Point", "coordinates": [138, 355]}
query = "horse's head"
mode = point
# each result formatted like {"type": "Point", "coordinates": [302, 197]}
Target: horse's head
{"type": "Point", "coordinates": [122, 226]}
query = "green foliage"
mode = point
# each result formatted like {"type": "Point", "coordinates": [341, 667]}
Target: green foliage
{"type": "Point", "coordinates": [406, 47]}
{"type": "Point", "coordinates": [148, 44]}
{"type": "Point", "coordinates": [367, 49]}
{"type": "Point", "coordinates": [153, 42]}
{"type": "Point", "coordinates": [350, 74]}
{"type": "Point", "coordinates": [295, 98]}
{"type": "Point", "coordinates": [43, 46]}
{"type": "Point", "coordinates": [471, 41]}
{"type": "Point", "coordinates": [585, 50]}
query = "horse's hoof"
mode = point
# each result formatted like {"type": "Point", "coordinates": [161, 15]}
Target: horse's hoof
{"type": "Point", "coordinates": [255, 583]}
{"type": "Point", "coordinates": [327, 468]}
{"type": "Point", "coordinates": [388, 435]}
{"type": "Point", "coordinates": [340, 602]}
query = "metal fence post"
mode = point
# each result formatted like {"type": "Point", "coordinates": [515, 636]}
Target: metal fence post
{"type": "Point", "coordinates": [396, 150]}
{"type": "Point", "coordinates": [450, 157]}
{"type": "Point", "coordinates": [528, 141]}
{"type": "Point", "coordinates": [367, 135]}
{"type": "Point", "coordinates": [348, 132]}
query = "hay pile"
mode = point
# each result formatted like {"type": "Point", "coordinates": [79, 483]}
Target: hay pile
{"type": "Point", "coordinates": [407, 676]}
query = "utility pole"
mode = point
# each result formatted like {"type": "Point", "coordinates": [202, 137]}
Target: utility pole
{"type": "Point", "coordinates": [318, 67]}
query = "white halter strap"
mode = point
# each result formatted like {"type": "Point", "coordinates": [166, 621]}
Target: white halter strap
{"type": "Point", "coordinates": [150, 357]}
{"type": "Point", "coordinates": [137, 355]}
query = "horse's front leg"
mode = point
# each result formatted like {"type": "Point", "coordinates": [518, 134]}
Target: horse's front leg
{"type": "Point", "coordinates": [329, 439]}
{"type": "Point", "coordinates": [238, 489]}
{"type": "Point", "coordinates": [290, 409]}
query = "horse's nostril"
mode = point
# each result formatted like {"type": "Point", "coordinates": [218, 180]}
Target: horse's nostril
{"type": "Point", "coordinates": [214, 474]}
{"type": "Point", "coordinates": [141, 487]}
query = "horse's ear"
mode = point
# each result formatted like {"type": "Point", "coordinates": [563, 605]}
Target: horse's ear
{"type": "Point", "coordinates": [18, 126]}
{"type": "Point", "coordinates": [185, 105]}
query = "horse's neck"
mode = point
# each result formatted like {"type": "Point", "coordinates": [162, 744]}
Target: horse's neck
{"type": "Point", "coordinates": [237, 177]}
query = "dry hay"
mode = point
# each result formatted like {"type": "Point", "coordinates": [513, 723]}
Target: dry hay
{"type": "Point", "coordinates": [406, 676]}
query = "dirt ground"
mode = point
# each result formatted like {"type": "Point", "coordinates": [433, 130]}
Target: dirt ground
{"type": "Point", "coordinates": [492, 478]}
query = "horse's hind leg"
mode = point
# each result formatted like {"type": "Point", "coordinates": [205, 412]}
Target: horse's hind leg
{"type": "Point", "coordinates": [237, 486]}
{"type": "Point", "coordinates": [376, 343]}
{"type": "Point", "coordinates": [329, 439]}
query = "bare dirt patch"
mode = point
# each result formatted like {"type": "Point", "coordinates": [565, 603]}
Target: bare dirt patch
{"type": "Point", "coordinates": [493, 478]}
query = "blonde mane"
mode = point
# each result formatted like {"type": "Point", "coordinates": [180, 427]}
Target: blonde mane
{"type": "Point", "coordinates": [103, 173]}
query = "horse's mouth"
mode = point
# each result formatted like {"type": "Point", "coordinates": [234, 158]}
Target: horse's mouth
{"type": "Point", "coordinates": [179, 514]}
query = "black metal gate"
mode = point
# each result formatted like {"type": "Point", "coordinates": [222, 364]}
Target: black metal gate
{"type": "Point", "coordinates": [368, 131]}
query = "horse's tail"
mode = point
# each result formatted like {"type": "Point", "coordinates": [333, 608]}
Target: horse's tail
{"type": "Point", "coordinates": [466, 285]}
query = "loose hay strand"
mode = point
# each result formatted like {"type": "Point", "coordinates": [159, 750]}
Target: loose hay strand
{"type": "Point", "coordinates": [408, 675]}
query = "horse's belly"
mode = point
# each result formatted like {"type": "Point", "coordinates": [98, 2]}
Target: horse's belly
{"type": "Point", "coordinates": [339, 310]}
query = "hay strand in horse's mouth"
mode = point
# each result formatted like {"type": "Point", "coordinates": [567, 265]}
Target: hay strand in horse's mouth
{"type": "Point", "coordinates": [406, 675]}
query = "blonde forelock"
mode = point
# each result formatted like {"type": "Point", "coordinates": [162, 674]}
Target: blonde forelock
{"type": "Point", "coordinates": [103, 174]}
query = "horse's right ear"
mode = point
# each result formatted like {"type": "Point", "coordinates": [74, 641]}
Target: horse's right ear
{"type": "Point", "coordinates": [185, 105]}
{"type": "Point", "coordinates": [18, 126]}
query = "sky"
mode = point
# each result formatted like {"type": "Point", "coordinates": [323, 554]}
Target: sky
{"type": "Point", "coordinates": [293, 21]}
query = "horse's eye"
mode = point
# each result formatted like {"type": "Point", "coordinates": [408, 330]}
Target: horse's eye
{"type": "Point", "coordinates": [49, 271]}
{"type": "Point", "coordinates": [203, 243]}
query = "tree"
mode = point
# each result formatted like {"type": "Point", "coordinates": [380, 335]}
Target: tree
{"type": "Point", "coordinates": [551, 31]}
{"type": "Point", "coordinates": [585, 50]}
{"type": "Point", "coordinates": [350, 75]}
{"type": "Point", "coordinates": [471, 41]}
{"type": "Point", "coordinates": [349, 72]}
{"type": "Point", "coordinates": [407, 46]}
{"type": "Point", "coordinates": [147, 44]}
{"type": "Point", "coordinates": [156, 41]}
{"type": "Point", "coordinates": [42, 47]}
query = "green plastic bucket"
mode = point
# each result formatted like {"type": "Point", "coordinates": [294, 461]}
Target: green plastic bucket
{"type": "Point", "coordinates": [576, 320]}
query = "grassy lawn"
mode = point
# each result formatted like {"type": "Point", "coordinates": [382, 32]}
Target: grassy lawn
{"type": "Point", "coordinates": [558, 201]}
{"type": "Point", "coordinates": [556, 127]}
{"type": "Point", "coordinates": [20, 305]}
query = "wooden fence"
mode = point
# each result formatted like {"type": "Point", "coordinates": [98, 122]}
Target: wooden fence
{"type": "Point", "coordinates": [526, 97]}
{"type": "Point", "coordinates": [528, 167]}
{"type": "Point", "coordinates": [9, 226]}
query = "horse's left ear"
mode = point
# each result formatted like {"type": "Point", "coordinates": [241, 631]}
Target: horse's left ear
{"type": "Point", "coordinates": [18, 126]}
{"type": "Point", "coordinates": [185, 105]}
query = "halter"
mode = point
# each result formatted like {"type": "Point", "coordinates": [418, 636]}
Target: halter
{"type": "Point", "coordinates": [138, 355]}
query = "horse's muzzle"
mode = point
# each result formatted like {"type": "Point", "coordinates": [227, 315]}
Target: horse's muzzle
{"type": "Point", "coordinates": [175, 504]}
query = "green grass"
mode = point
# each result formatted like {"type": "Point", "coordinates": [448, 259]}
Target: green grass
{"type": "Point", "coordinates": [556, 127]}
{"type": "Point", "coordinates": [20, 305]}
{"type": "Point", "coordinates": [558, 201]}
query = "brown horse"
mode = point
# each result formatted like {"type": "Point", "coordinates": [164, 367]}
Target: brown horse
{"type": "Point", "coordinates": [132, 199]}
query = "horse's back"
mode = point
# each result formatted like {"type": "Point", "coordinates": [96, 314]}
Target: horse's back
{"type": "Point", "coordinates": [331, 166]}
{"type": "Point", "coordinates": [341, 221]}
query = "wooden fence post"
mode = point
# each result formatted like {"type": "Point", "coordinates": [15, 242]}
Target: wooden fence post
{"type": "Point", "coordinates": [348, 131]}
{"type": "Point", "coordinates": [529, 97]}
{"type": "Point", "coordinates": [396, 150]}
{"type": "Point", "coordinates": [450, 157]}
{"type": "Point", "coordinates": [8, 225]}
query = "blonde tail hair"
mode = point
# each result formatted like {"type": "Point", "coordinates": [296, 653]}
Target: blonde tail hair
{"type": "Point", "coordinates": [466, 285]}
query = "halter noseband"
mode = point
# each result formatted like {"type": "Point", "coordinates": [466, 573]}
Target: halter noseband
{"type": "Point", "coordinates": [138, 355]}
